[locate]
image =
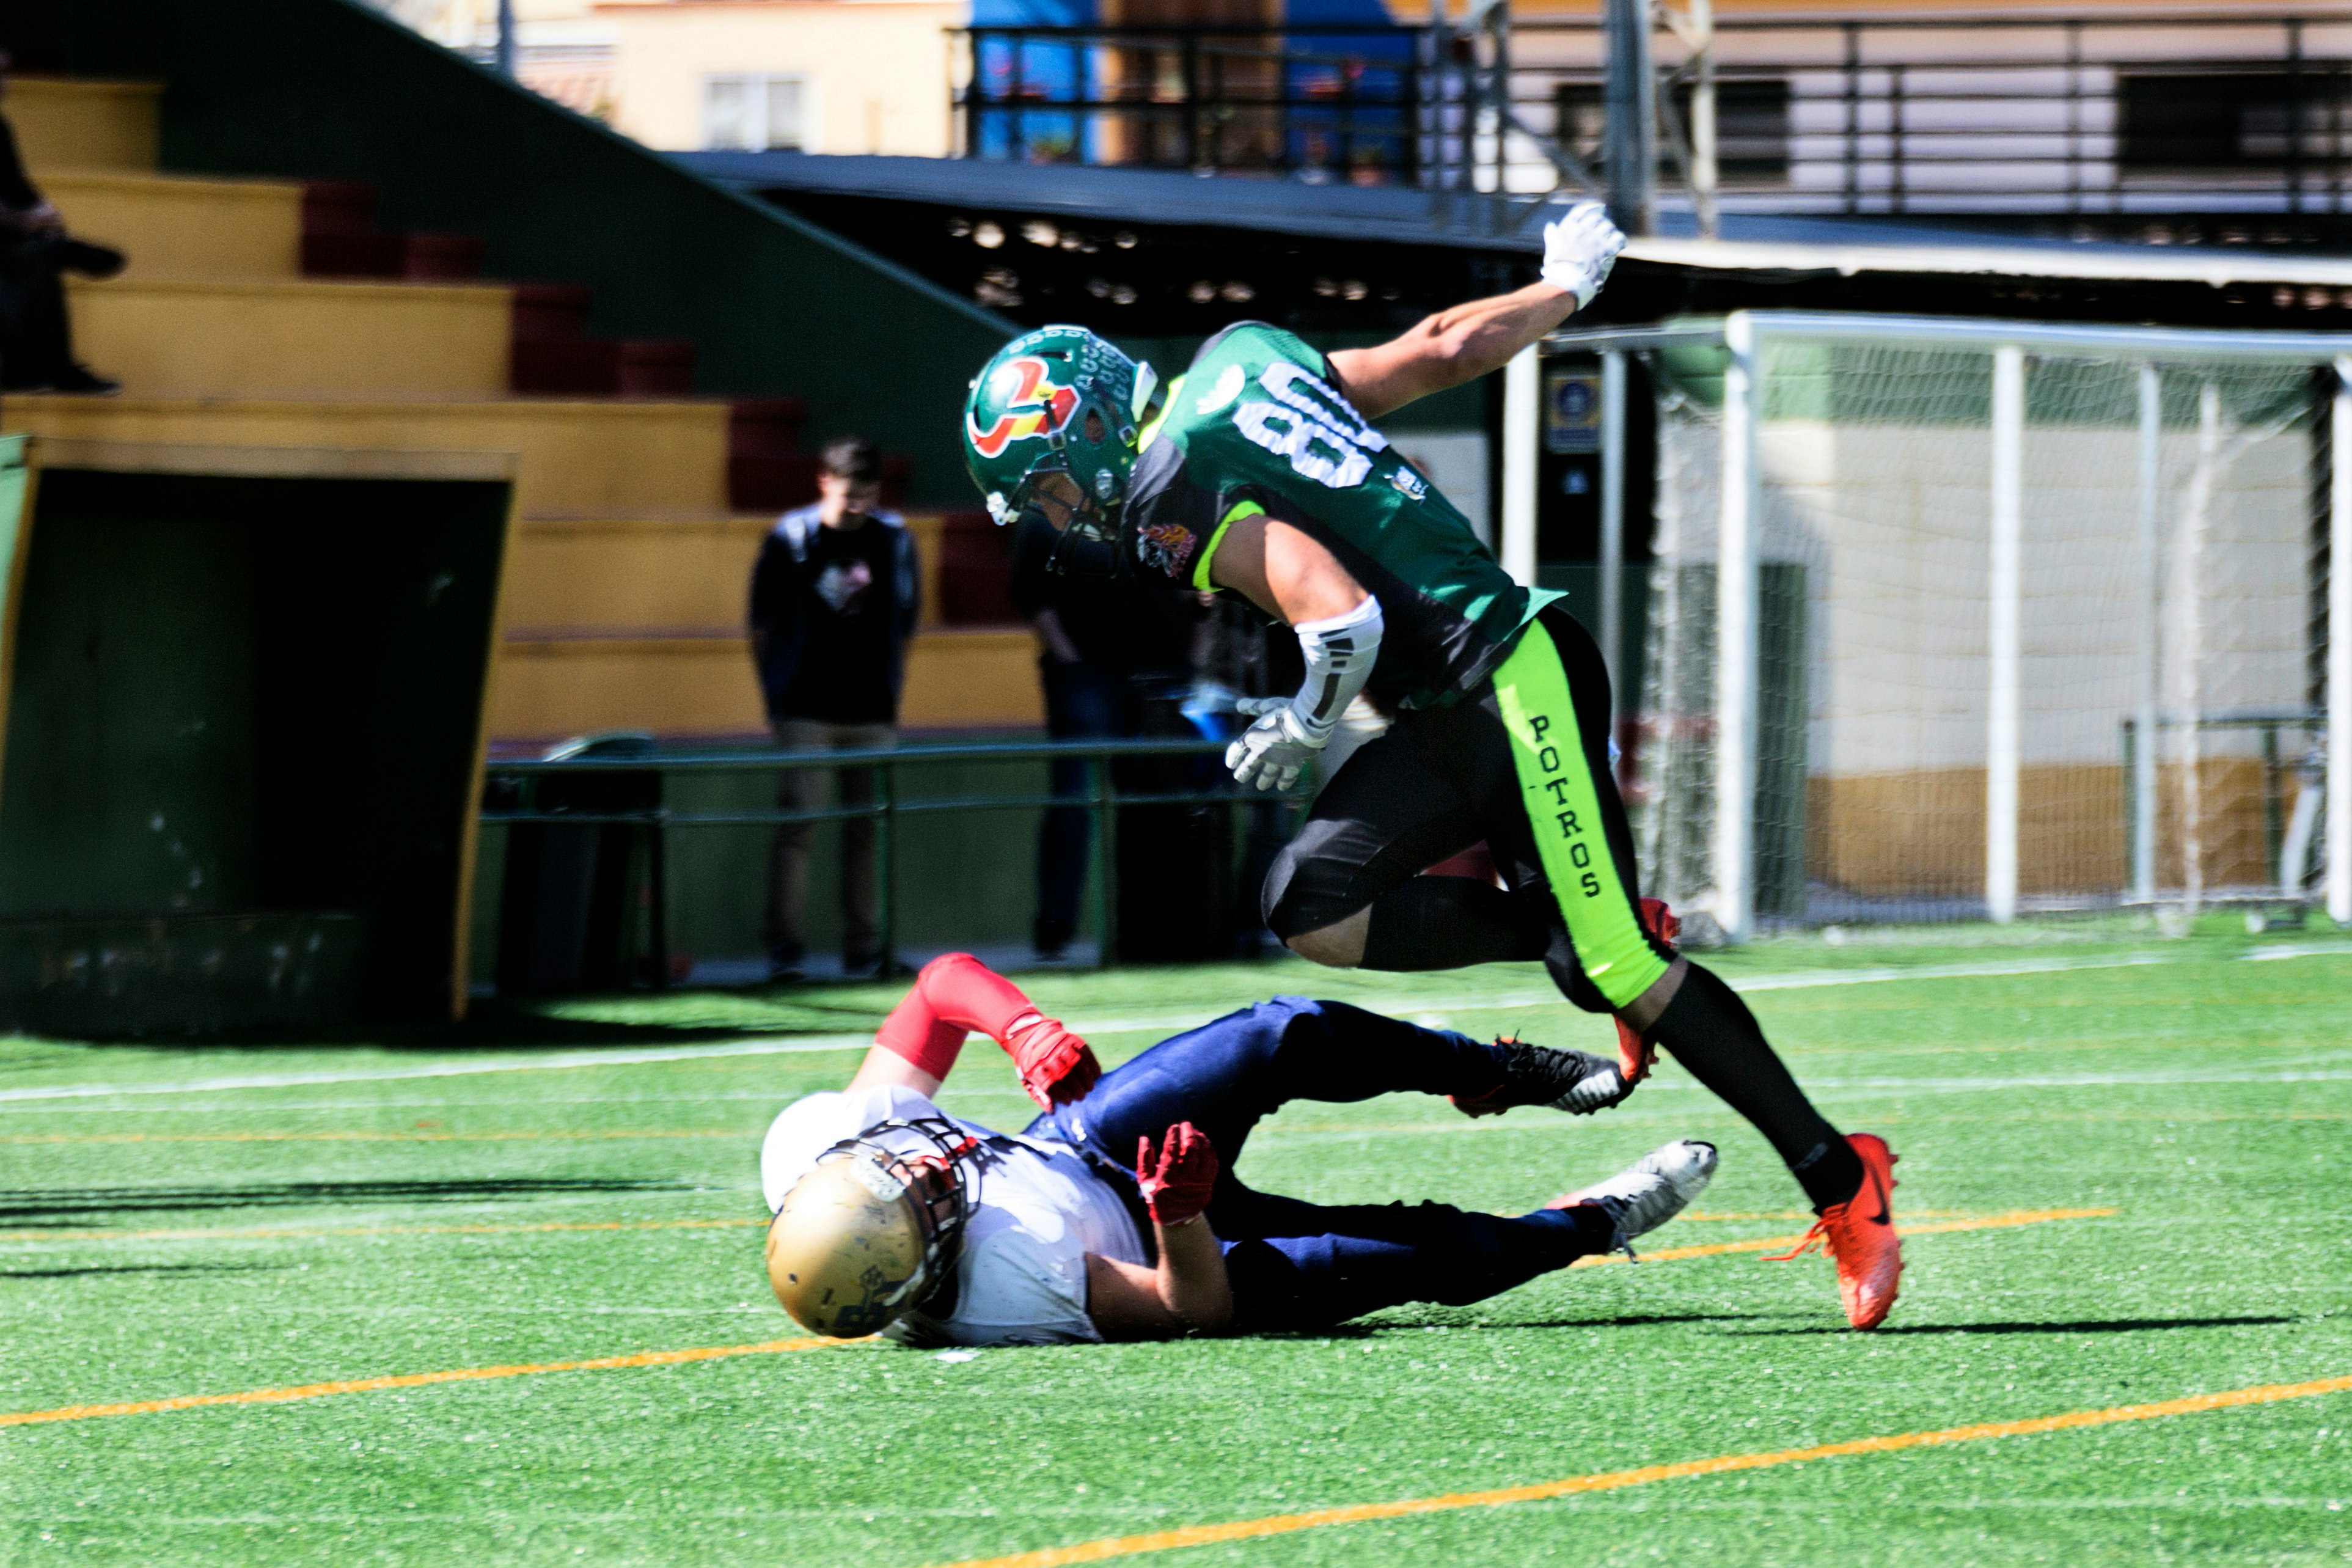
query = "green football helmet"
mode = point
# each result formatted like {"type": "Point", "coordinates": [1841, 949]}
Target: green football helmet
{"type": "Point", "coordinates": [1060, 400]}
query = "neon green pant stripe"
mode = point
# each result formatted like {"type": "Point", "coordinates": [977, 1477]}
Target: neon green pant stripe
{"type": "Point", "coordinates": [1564, 808]}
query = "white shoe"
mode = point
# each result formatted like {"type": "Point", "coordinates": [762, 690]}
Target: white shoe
{"type": "Point", "coordinates": [1649, 1192]}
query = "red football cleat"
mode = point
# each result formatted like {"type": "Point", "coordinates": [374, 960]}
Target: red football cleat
{"type": "Point", "coordinates": [1860, 1235]}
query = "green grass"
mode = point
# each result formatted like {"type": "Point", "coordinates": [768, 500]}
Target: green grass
{"type": "Point", "coordinates": [2202, 1096]}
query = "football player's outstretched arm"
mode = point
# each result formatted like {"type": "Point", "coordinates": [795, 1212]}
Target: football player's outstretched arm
{"type": "Point", "coordinates": [1188, 1292]}
{"type": "Point", "coordinates": [1466, 342]}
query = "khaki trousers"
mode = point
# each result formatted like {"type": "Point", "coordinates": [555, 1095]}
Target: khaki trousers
{"type": "Point", "coordinates": [802, 789]}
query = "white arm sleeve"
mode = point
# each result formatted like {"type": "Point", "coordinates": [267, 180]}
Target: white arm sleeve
{"type": "Point", "coordinates": [1340, 653]}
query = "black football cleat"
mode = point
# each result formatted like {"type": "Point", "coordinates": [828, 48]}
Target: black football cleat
{"type": "Point", "coordinates": [1575, 1081]}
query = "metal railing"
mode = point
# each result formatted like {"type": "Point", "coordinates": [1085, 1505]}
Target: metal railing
{"type": "Point", "coordinates": [1104, 798]}
{"type": "Point", "coordinates": [2276, 766]}
{"type": "Point", "coordinates": [2155, 113]}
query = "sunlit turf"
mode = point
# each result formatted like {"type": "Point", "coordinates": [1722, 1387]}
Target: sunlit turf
{"type": "Point", "coordinates": [309, 1217]}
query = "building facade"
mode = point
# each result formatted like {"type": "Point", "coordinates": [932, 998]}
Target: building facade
{"type": "Point", "coordinates": [811, 76]}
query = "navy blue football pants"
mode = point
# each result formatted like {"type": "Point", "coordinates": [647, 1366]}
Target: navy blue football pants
{"type": "Point", "coordinates": [1298, 1265]}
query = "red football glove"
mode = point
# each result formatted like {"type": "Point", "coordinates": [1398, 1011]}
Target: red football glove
{"type": "Point", "coordinates": [1636, 1057]}
{"type": "Point", "coordinates": [1179, 1176]}
{"type": "Point", "coordinates": [1056, 1066]}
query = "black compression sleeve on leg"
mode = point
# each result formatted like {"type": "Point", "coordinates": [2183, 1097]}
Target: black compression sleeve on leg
{"type": "Point", "coordinates": [1710, 1031]}
{"type": "Point", "coordinates": [1447, 922]}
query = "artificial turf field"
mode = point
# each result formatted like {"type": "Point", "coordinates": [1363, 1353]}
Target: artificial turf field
{"type": "Point", "coordinates": [197, 1221]}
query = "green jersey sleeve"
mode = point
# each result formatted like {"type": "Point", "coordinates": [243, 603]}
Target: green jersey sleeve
{"type": "Point", "coordinates": [1260, 422]}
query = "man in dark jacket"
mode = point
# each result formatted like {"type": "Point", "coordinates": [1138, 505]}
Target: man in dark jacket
{"type": "Point", "coordinates": [35, 341]}
{"type": "Point", "coordinates": [1102, 651]}
{"type": "Point", "coordinates": [834, 596]}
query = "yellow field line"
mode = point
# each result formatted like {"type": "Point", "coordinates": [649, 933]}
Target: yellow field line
{"type": "Point", "coordinates": [771, 1347]}
{"type": "Point", "coordinates": [1612, 1481]}
{"type": "Point", "coordinates": [366, 1137]}
{"type": "Point", "coordinates": [267, 1233]}
{"type": "Point", "coordinates": [1768, 1243]}
{"type": "Point", "coordinates": [272, 1233]}
{"type": "Point", "coordinates": [1703, 1217]}
{"type": "Point", "coordinates": [404, 1379]}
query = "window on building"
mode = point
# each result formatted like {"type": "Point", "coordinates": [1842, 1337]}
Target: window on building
{"type": "Point", "coordinates": [2229, 120]}
{"type": "Point", "coordinates": [754, 113]}
{"type": "Point", "coordinates": [1582, 122]}
{"type": "Point", "coordinates": [1751, 127]}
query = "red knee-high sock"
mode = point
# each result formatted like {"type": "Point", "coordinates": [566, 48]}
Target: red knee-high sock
{"type": "Point", "coordinates": [958, 993]}
{"type": "Point", "coordinates": [965, 991]}
{"type": "Point", "coordinates": [916, 1031]}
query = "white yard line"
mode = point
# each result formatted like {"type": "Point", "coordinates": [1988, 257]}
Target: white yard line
{"type": "Point", "coordinates": [2298, 950]}
{"type": "Point", "coordinates": [449, 1069]}
{"type": "Point", "coordinates": [1431, 1008]}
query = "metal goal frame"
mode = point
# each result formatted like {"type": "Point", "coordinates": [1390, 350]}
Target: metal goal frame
{"type": "Point", "coordinates": [1742, 335]}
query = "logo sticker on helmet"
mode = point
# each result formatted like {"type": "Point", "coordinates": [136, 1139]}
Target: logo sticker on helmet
{"type": "Point", "coordinates": [1033, 406]}
{"type": "Point", "coordinates": [877, 1178]}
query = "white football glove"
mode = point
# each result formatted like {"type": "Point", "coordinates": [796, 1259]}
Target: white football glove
{"type": "Point", "coordinates": [1273, 751]}
{"type": "Point", "coordinates": [1578, 251]}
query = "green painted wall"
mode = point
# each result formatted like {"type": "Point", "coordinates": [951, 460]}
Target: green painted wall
{"type": "Point", "coordinates": [239, 696]}
{"type": "Point", "coordinates": [328, 88]}
{"type": "Point", "coordinates": [131, 761]}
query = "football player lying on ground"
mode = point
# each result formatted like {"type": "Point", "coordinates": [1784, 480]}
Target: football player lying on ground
{"type": "Point", "coordinates": [1259, 473]}
{"type": "Point", "coordinates": [1117, 1215]}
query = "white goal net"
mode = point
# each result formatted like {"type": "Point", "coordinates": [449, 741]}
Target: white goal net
{"type": "Point", "coordinates": [2022, 619]}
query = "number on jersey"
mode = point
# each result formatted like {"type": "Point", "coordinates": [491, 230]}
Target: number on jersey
{"type": "Point", "coordinates": [1311, 425]}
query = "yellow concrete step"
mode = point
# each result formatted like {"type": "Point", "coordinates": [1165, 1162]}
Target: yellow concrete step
{"type": "Point", "coordinates": [72, 122]}
{"type": "Point", "coordinates": [172, 227]}
{"type": "Point", "coordinates": [210, 338]}
{"type": "Point", "coordinates": [577, 457]}
{"type": "Point", "coordinates": [658, 574]}
{"type": "Point", "coordinates": [687, 686]}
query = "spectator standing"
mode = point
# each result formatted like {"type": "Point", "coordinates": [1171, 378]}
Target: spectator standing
{"type": "Point", "coordinates": [36, 339]}
{"type": "Point", "coordinates": [834, 596]}
{"type": "Point", "coordinates": [1105, 649]}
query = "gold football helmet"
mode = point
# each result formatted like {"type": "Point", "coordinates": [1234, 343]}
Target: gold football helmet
{"type": "Point", "coordinates": [873, 1227]}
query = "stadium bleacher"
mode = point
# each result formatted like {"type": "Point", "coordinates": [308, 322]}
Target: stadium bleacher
{"type": "Point", "coordinates": [639, 507]}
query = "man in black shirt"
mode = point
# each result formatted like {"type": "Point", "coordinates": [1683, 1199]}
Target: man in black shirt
{"type": "Point", "coordinates": [1103, 648]}
{"type": "Point", "coordinates": [834, 597]}
{"type": "Point", "coordinates": [36, 341]}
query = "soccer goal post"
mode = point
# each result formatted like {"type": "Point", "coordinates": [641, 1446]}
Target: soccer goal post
{"type": "Point", "coordinates": [1955, 619]}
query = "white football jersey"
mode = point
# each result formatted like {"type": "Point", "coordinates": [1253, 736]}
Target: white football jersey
{"type": "Point", "coordinates": [1021, 1278]}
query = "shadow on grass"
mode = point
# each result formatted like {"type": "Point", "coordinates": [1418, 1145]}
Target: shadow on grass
{"type": "Point", "coordinates": [79, 1205]}
{"type": "Point", "coordinates": [1633, 1320]}
{"type": "Point", "coordinates": [525, 1024]}
{"type": "Point", "coordinates": [2085, 1326]}
{"type": "Point", "coordinates": [137, 1269]}
{"type": "Point", "coordinates": [1488, 1326]}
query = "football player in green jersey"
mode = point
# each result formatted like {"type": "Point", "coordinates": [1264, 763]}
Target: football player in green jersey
{"type": "Point", "coordinates": [1259, 472]}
